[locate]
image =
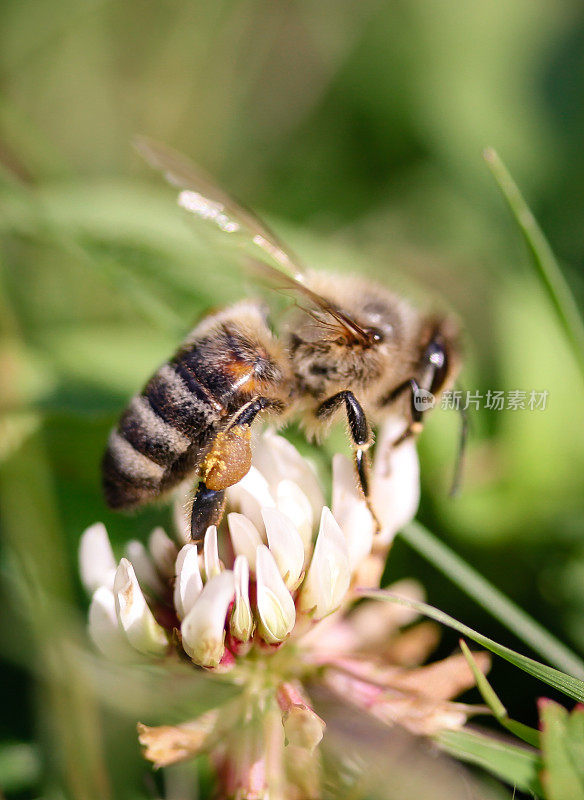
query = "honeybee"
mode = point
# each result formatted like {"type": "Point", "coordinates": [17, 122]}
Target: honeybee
{"type": "Point", "coordinates": [350, 346]}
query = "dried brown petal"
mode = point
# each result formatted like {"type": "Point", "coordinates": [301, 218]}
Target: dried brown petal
{"type": "Point", "coordinates": [168, 744]}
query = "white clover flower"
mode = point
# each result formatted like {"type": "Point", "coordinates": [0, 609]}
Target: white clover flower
{"type": "Point", "coordinates": [395, 484]}
{"type": "Point", "coordinates": [97, 565]}
{"type": "Point", "coordinates": [329, 575]}
{"type": "Point", "coordinates": [188, 584]}
{"type": "Point", "coordinates": [242, 621]}
{"type": "Point", "coordinates": [134, 615]}
{"type": "Point", "coordinates": [203, 629]}
{"type": "Point", "coordinates": [269, 589]}
{"type": "Point", "coordinates": [275, 605]}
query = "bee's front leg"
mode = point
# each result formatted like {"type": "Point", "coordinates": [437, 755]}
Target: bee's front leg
{"type": "Point", "coordinates": [360, 435]}
{"type": "Point", "coordinates": [228, 460]}
{"type": "Point", "coordinates": [416, 414]}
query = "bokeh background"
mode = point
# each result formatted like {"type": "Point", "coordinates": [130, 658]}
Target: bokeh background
{"type": "Point", "coordinates": [356, 127]}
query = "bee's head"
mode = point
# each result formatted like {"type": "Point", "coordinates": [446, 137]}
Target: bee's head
{"type": "Point", "coordinates": [380, 320]}
{"type": "Point", "coordinates": [353, 348]}
{"type": "Point", "coordinates": [374, 315]}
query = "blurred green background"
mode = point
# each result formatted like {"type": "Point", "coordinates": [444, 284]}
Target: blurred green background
{"type": "Point", "coordinates": [356, 127]}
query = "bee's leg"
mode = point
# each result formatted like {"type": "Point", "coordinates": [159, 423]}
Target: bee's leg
{"type": "Point", "coordinates": [208, 507]}
{"type": "Point", "coordinates": [360, 435]}
{"type": "Point", "coordinates": [249, 412]}
{"type": "Point", "coordinates": [416, 424]}
{"type": "Point", "coordinates": [228, 460]}
{"type": "Point", "coordinates": [358, 425]}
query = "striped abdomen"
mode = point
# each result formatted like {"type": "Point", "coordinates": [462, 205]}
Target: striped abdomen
{"type": "Point", "coordinates": [166, 431]}
{"type": "Point", "coordinates": [161, 437]}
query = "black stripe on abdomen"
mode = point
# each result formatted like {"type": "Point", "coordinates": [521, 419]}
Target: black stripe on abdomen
{"type": "Point", "coordinates": [186, 408]}
{"type": "Point", "coordinates": [129, 477]}
{"type": "Point", "coordinates": [202, 373]}
{"type": "Point", "coordinates": [161, 438]}
{"type": "Point", "coordinates": [150, 435]}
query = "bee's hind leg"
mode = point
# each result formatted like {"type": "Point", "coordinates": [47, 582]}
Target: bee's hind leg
{"type": "Point", "coordinates": [360, 436]}
{"type": "Point", "coordinates": [228, 460]}
{"type": "Point", "coordinates": [208, 507]}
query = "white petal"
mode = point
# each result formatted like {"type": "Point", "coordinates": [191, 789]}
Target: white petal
{"type": "Point", "coordinates": [163, 551]}
{"type": "Point", "coordinates": [203, 633]}
{"type": "Point", "coordinates": [351, 512]}
{"type": "Point", "coordinates": [329, 574]}
{"type": "Point", "coordinates": [395, 485]}
{"type": "Point", "coordinates": [285, 545]}
{"type": "Point", "coordinates": [275, 605]}
{"type": "Point", "coordinates": [105, 630]}
{"type": "Point", "coordinates": [189, 584]}
{"type": "Point", "coordinates": [278, 459]}
{"type": "Point", "coordinates": [142, 630]}
{"type": "Point", "coordinates": [241, 623]}
{"type": "Point", "coordinates": [244, 537]}
{"type": "Point", "coordinates": [97, 565]}
{"type": "Point", "coordinates": [211, 554]}
{"type": "Point", "coordinates": [250, 495]}
{"type": "Point", "coordinates": [181, 513]}
{"type": "Point", "coordinates": [291, 500]}
{"type": "Point", "coordinates": [144, 567]}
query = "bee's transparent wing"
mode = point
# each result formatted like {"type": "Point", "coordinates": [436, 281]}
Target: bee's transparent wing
{"type": "Point", "coordinates": [342, 322]}
{"type": "Point", "coordinates": [200, 195]}
{"type": "Point", "coordinates": [365, 759]}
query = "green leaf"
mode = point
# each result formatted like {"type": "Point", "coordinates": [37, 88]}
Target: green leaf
{"type": "Point", "coordinates": [562, 749]}
{"type": "Point", "coordinates": [529, 735]}
{"type": "Point", "coordinates": [572, 687]}
{"type": "Point", "coordinates": [491, 599]}
{"type": "Point", "coordinates": [545, 263]}
{"type": "Point", "coordinates": [516, 765]}
{"type": "Point", "coordinates": [576, 731]}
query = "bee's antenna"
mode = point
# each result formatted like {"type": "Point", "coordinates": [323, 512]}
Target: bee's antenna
{"type": "Point", "coordinates": [459, 464]}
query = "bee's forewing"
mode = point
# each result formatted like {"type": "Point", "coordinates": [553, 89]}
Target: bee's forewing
{"type": "Point", "coordinates": [296, 284]}
{"type": "Point", "coordinates": [365, 757]}
{"type": "Point", "coordinates": [200, 195]}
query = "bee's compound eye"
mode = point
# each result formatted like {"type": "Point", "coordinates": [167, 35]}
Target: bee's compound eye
{"type": "Point", "coordinates": [375, 335]}
{"type": "Point", "coordinates": [438, 358]}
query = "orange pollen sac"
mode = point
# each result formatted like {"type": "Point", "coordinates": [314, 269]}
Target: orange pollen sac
{"type": "Point", "coordinates": [229, 459]}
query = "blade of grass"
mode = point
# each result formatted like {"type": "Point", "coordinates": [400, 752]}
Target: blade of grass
{"type": "Point", "coordinates": [515, 765]}
{"type": "Point", "coordinates": [529, 735]}
{"type": "Point", "coordinates": [573, 687]}
{"type": "Point", "coordinates": [545, 263]}
{"type": "Point", "coordinates": [491, 599]}
{"type": "Point", "coordinates": [34, 536]}
{"type": "Point", "coordinates": [563, 775]}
